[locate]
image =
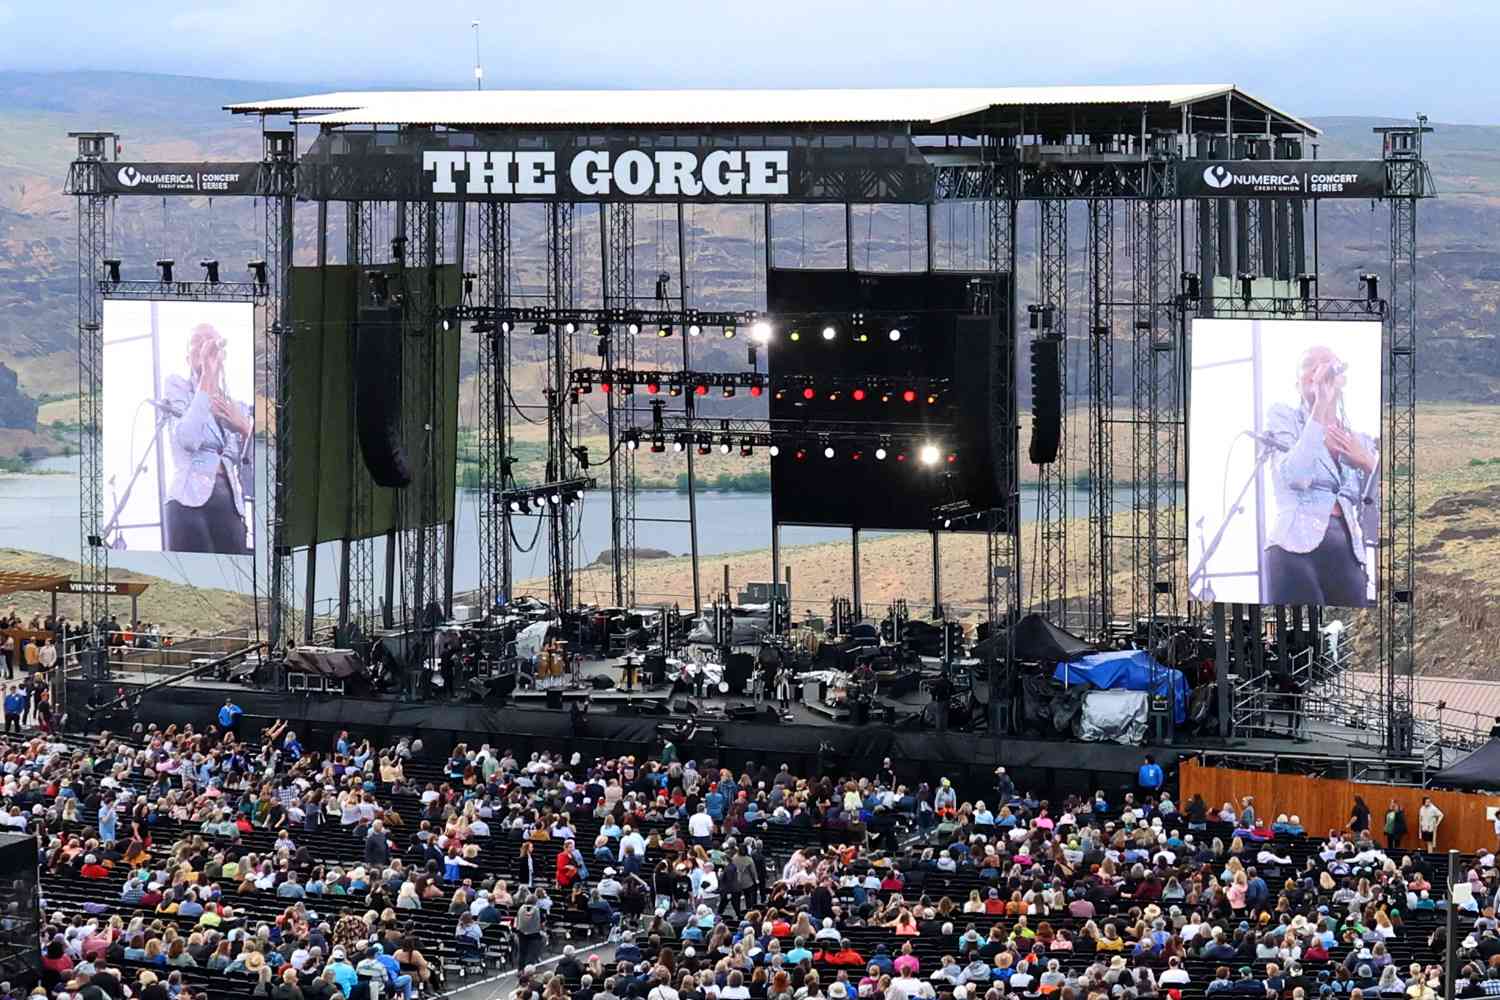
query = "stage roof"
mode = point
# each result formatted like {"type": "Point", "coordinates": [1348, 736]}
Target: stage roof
{"type": "Point", "coordinates": [979, 107]}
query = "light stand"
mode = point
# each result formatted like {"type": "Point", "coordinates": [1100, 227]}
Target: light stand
{"type": "Point", "coordinates": [1263, 456]}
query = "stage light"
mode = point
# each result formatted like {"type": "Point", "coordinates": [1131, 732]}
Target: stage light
{"type": "Point", "coordinates": [701, 389]}
{"type": "Point", "coordinates": [584, 386]}
{"type": "Point", "coordinates": [952, 457]}
{"type": "Point", "coordinates": [931, 398]}
{"type": "Point", "coordinates": [780, 394]}
{"type": "Point", "coordinates": [775, 450]}
{"type": "Point", "coordinates": [760, 332]}
{"type": "Point", "coordinates": [653, 386]}
{"type": "Point", "coordinates": [809, 393]}
{"type": "Point", "coordinates": [833, 397]}
{"type": "Point", "coordinates": [674, 389]}
{"type": "Point", "coordinates": [705, 446]}
{"type": "Point", "coordinates": [165, 267]}
{"type": "Point", "coordinates": [694, 330]}
{"type": "Point", "coordinates": [729, 333]}
{"type": "Point", "coordinates": [858, 395]}
{"type": "Point", "coordinates": [112, 268]}
{"type": "Point", "coordinates": [885, 397]}
{"type": "Point", "coordinates": [570, 328]}
{"type": "Point", "coordinates": [729, 392]}
{"type": "Point", "coordinates": [747, 448]}
{"type": "Point", "coordinates": [828, 451]}
{"type": "Point", "coordinates": [627, 388]}
{"type": "Point", "coordinates": [541, 330]}
{"type": "Point", "coordinates": [658, 444]}
{"type": "Point", "coordinates": [554, 498]}
{"type": "Point", "coordinates": [602, 330]}
{"type": "Point", "coordinates": [679, 445]}
{"type": "Point", "coordinates": [726, 445]}
{"type": "Point", "coordinates": [605, 386]}
{"type": "Point", "coordinates": [863, 338]}
{"type": "Point", "coordinates": [505, 326]}
{"type": "Point", "coordinates": [909, 396]}
{"type": "Point", "coordinates": [756, 390]}
{"type": "Point", "coordinates": [1371, 283]}
{"type": "Point", "coordinates": [446, 322]}
{"type": "Point", "coordinates": [830, 331]}
{"type": "Point", "coordinates": [257, 272]}
{"type": "Point", "coordinates": [800, 454]}
{"type": "Point", "coordinates": [515, 506]}
{"type": "Point", "coordinates": [855, 456]}
{"type": "Point", "coordinates": [796, 335]}
{"type": "Point", "coordinates": [895, 335]}
{"type": "Point", "coordinates": [928, 454]}
{"type": "Point", "coordinates": [211, 271]}
{"type": "Point", "coordinates": [665, 330]}
{"type": "Point", "coordinates": [633, 328]}
{"type": "Point", "coordinates": [880, 454]}
{"type": "Point", "coordinates": [633, 444]}
{"type": "Point", "coordinates": [900, 456]}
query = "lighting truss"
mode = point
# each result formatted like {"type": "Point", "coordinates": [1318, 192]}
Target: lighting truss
{"type": "Point", "coordinates": [198, 291]}
{"type": "Point", "coordinates": [848, 437]}
{"type": "Point", "coordinates": [526, 499]}
{"type": "Point", "coordinates": [627, 380]}
{"type": "Point", "coordinates": [880, 388]}
{"type": "Point", "coordinates": [645, 321]}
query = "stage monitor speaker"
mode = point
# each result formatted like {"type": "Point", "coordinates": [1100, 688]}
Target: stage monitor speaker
{"type": "Point", "coordinates": [602, 682]}
{"type": "Point", "coordinates": [1046, 399]}
{"type": "Point", "coordinates": [377, 395]}
{"type": "Point", "coordinates": [742, 713]}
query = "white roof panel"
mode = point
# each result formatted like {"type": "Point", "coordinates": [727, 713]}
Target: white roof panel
{"type": "Point", "coordinates": [543, 108]}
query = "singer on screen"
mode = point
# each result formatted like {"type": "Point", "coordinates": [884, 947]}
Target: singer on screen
{"type": "Point", "coordinates": [1315, 550]}
{"type": "Point", "coordinates": [211, 438]}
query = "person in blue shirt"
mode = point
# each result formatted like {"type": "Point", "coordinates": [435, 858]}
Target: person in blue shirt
{"type": "Point", "coordinates": [229, 716]}
{"type": "Point", "coordinates": [15, 707]}
{"type": "Point", "coordinates": [1150, 776]}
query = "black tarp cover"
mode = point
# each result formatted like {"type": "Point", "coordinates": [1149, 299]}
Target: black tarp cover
{"type": "Point", "coordinates": [1481, 769]}
{"type": "Point", "coordinates": [1038, 640]}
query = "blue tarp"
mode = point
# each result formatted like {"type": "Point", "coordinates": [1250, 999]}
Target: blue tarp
{"type": "Point", "coordinates": [1130, 670]}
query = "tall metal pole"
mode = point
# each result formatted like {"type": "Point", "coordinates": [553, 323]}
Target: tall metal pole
{"type": "Point", "coordinates": [310, 594]}
{"type": "Point", "coordinates": [1450, 935]}
{"type": "Point", "coordinates": [688, 407]}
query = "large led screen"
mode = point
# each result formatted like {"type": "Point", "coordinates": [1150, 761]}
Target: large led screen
{"type": "Point", "coordinates": [178, 426]}
{"type": "Point", "coordinates": [1284, 453]}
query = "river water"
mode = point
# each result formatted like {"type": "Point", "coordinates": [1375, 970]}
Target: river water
{"type": "Point", "coordinates": [39, 513]}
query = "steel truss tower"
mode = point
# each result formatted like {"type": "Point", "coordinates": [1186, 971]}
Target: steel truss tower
{"type": "Point", "coordinates": [279, 179]}
{"type": "Point", "coordinates": [1050, 580]}
{"type": "Point", "coordinates": [560, 460]}
{"type": "Point", "coordinates": [1101, 251]}
{"type": "Point", "coordinates": [493, 281]}
{"type": "Point", "coordinates": [1003, 526]}
{"type": "Point", "coordinates": [619, 293]}
{"type": "Point", "coordinates": [1407, 182]}
{"type": "Point", "coordinates": [358, 602]}
{"type": "Point", "coordinates": [84, 183]}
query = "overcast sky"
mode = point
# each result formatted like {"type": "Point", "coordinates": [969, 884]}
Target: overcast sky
{"type": "Point", "coordinates": [1315, 57]}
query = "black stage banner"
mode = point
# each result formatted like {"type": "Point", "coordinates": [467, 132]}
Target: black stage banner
{"type": "Point", "coordinates": [614, 167]}
{"type": "Point", "coordinates": [181, 178]}
{"type": "Point", "coordinates": [1281, 178]}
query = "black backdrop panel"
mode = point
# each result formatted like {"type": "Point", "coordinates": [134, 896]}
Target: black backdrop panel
{"type": "Point", "coordinates": [867, 493]}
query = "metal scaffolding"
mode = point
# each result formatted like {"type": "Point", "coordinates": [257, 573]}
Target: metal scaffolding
{"type": "Point", "coordinates": [619, 293]}
{"type": "Point", "coordinates": [494, 429]}
{"type": "Point", "coordinates": [1050, 576]}
{"type": "Point", "coordinates": [1101, 261]}
{"type": "Point", "coordinates": [279, 180]}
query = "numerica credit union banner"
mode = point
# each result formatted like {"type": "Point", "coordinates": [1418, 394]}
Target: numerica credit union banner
{"type": "Point", "coordinates": [1281, 178]}
{"type": "Point", "coordinates": [180, 178]}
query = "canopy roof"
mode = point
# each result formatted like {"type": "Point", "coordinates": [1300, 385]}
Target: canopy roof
{"type": "Point", "coordinates": [987, 107]}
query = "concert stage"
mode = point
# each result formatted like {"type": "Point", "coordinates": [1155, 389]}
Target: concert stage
{"type": "Point", "coordinates": [921, 754]}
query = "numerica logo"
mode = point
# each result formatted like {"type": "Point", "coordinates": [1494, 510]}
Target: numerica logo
{"type": "Point", "coordinates": [1218, 176]}
{"type": "Point", "coordinates": [129, 176]}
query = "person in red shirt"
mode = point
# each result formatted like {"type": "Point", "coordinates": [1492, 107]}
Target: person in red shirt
{"type": "Point", "coordinates": [567, 872]}
{"type": "Point", "coordinates": [993, 903]}
{"type": "Point", "coordinates": [844, 955]}
{"type": "Point", "coordinates": [92, 868]}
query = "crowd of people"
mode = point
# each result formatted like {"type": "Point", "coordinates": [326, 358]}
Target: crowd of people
{"type": "Point", "coordinates": [311, 872]}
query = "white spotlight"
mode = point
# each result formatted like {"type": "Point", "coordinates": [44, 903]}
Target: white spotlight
{"type": "Point", "coordinates": [895, 335]}
{"type": "Point", "coordinates": [761, 332]}
{"type": "Point", "coordinates": [830, 331]}
{"type": "Point", "coordinates": [929, 454]}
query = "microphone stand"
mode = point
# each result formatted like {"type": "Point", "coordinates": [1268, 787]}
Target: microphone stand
{"type": "Point", "coordinates": [1263, 456]}
{"type": "Point", "coordinates": [119, 543]}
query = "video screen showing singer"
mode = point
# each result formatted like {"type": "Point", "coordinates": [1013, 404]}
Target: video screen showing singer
{"type": "Point", "coordinates": [1315, 549]}
{"type": "Point", "coordinates": [211, 439]}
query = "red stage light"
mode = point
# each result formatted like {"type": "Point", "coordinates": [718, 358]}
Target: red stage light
{"type": "Point", "coordinates": [859, 395]}
{"type": "Point", "coordinates": [755, 390]}
{"type": "Point", "coordinates": [653, 387]}
{"type": "Point", "coordinates": [605, 386]}
{"type": "Point", "coordinates": [854, 456]}
{"type": "Point", "coordinates": [952, 457]}
{"type": "Point", "coordinates": [701, 389]}
{"type": "Point", "coordinates": [900, 456]}
{"type": "Point", "coordinates": [809, 393]}
{"type": "Point", "coordinates": [800, 454]}
{"type": "Point", "coordinates": [910, 395]}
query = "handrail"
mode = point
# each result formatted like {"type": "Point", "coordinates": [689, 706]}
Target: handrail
{"type": "Point", "coordinates": [202, 668]}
